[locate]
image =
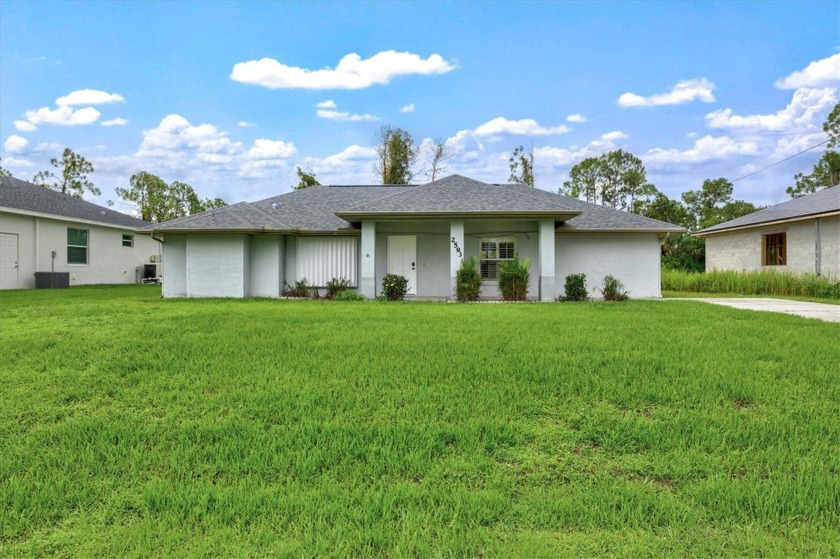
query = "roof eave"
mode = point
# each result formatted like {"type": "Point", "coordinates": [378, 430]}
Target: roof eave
{"type": "Point", "coordinates": [818, 215]}
{"type": "Point", "coordinates": [622, 230]}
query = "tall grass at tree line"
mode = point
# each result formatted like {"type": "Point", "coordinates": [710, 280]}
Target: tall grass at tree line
{"type": "Point", "coordinates": [132, 426]}
{"type": "Point", "coordinates": [763, 282]}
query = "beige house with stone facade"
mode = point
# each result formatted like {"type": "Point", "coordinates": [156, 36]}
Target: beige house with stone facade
{"type": "Point", "coordinates": [801, 236]}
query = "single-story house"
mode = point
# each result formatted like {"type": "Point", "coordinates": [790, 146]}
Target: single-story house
{"type": "Point", "coordinates": [421, 232]}
{"type": "Point", "coordinates": [44, 231]}
{"type": "Point", "coordinates": [800, 235]}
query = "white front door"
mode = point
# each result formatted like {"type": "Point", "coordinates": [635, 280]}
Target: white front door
{"type": "Point", "coordinates": [8, 261]}
{"type": "Point", "coordinates": [402, 259]}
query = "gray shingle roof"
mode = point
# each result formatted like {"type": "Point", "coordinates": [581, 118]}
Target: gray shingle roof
{"type": "Point", "coordinates": [314, 209]}
{"type": "Point", "coordinates": [821, 202]}
{"type": "Point", "coordinates": [22, 195]}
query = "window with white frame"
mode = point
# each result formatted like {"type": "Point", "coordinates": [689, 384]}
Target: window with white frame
{"type": "Point", "coordinates": [128, 240]}
{"type": "Point", "coordinates": [492, 252]}
{"type": "Point", "coordinates": [77, 246]}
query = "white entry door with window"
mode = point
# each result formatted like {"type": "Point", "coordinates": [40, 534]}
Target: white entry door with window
{"type": "Point", "coordinates": [8, 261]}
{"type": "Point", "coordinates": [402, 259]}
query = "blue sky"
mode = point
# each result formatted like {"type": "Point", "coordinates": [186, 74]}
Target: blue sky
{"type": "Point", "coordinates": [230, 97]}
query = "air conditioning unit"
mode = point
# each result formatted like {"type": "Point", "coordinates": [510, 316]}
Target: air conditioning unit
{"type": "Point", "coordinates": [154, 258]}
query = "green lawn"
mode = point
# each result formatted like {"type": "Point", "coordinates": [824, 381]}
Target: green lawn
{"type": "Point", "coordinates": [133, 426]}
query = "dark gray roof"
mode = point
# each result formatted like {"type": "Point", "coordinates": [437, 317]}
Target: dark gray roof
{"type": "Point", "coordinates": [821, 202]}
{"type": "Point", "coordinates": [22, 195]}
{"type": "Point", "coordinates": [457, 194]}
{"type": "Point", "coordinates": [332, 208]}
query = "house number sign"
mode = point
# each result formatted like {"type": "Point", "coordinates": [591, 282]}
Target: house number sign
{"type": "Point", "coordinates": [457, 248]}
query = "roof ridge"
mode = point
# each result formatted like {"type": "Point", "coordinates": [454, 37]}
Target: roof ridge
{"type": "Point", "coordinates": [272, 219]}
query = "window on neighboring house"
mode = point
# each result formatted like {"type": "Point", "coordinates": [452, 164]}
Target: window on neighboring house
{"type": "Point", "coordinates": [775, 249]}
{"type": "Point", "coordinates": [77, 246]}
{"type": "Point", "coordinates": [492, 252]}
{"type": "Point", "coordinates": [128, 240]}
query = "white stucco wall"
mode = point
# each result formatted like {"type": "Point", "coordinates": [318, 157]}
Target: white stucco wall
{"type": "Point", "coordinates": [218, 265]}
{"type": "Point", "coordinates": [634, 259]}
{"type": "Point", "coordinates": [108, 261]}
{"type": "Point", "coordinates": [267, 264]}
{"type": "Point", "coordinates": [742, 250]}
{"type": "Point", "coordinates": [527, 237]}
{"type": "Point", "coordinates": [174, 266]}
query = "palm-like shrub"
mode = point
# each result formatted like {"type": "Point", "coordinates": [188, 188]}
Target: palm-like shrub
{"type": "Point", "coordinates": [514, 277]}
{"type": "Point", "coordinates": [468, 280]}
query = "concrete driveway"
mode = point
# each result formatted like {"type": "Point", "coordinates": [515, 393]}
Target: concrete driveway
{"type": "Point", "coordinates": [821, 311]}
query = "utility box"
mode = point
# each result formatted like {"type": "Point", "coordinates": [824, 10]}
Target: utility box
{"type": "Point", "coordinates": [52, 280]}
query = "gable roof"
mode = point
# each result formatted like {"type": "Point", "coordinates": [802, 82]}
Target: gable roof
{"type": "Point", "coordinates": [16, 194]}
{"type": "Point", "coordinates": [822, 202]}
{"type": "Point", "coordinates": [332, 209]}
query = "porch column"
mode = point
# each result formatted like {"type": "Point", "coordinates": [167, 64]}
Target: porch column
{"type": "Point", "coordinates": [547, 286]}
{"type": "Point", "coordinates": [456, 253]}
{"type": "Point", "coordinates": [367, 285]}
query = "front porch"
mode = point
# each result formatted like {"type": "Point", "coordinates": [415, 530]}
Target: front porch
{"type": "Point", "coordinates": [429, 253]}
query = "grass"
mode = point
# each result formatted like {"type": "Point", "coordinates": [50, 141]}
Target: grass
{"type": "Point", "coordinates": [763, 282]}
{"type": "Point", "coordinates": [132, 426]}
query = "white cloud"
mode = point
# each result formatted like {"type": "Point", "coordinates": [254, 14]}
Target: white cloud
{"type": "Point", "coordinates": [89, 97]}
{"type": "Point", "coordinates": [64, 116]}
{"type": "Point", "coordinates": [271, 149]}
{"type": "Point", "coordinates": [176, 144]}
{"type": "Point", "coordinates": [614, 135]}
{"type": "Point", "coordinates": [16, 144]}
{"type": "Point", "coordinates": [352, 71]}
{"type": "Point", "coordinates": [819, 73]}
{"type": "Point", "coordinates": [576, 118]}
{"type": "Point", "coordinates": [525, 127]}
{"type": "Point", "coordinates": [244, 124]}
{"type": "Point", "coordinates": [705, 149]}
{"type": "Point", "coordinates": [407, 108]}
{"type": "Point", "coordinates": [15, 162]}
{"type": "Point", "coordinates": [805, 111]}
{"type": "Point", "coordinates": [562, 157]}
{"type": "Point", "coordinates": [25, 126]}
{"type": "Point", "coordinates": [344, 116]}
{"type": "Point", "coordinates": [114, 122]}
{"type": "Point", "coordinates": [327, 109]}
{"type": "Point", "coordinates": [350, 154]}
{"type": "Point", "coordinates": [684, 92]}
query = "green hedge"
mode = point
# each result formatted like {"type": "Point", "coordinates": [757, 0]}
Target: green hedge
{"type": "Point", "coordinates": [764, 282]}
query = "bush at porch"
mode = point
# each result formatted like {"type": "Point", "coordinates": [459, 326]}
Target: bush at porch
{"type": "Point", "coordinates": [394, 287]}
{"type": "Point", "coordinates": [468, 280]}
{"type": "Point", "coordinates": [514, 277]}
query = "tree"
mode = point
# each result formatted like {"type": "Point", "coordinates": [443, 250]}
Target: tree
{"type": "Point", "coordinates": [73, 178]}
{"type": "Point", "coordinates": [397, 155]}
{"type": "Point", "coordinates": [151, 194]}
{"type": "Point", "coordinates": [4, 172]}
{"type": "Point", "coordinates": [713, 204]}
{"type": "Point", "coordinates": [438, 158]}
{"type": "Point", "coordinates": [617, 179]}
{"type": "Point", "coordinates": [159, 202]}
{"type": "Point", "coordinates": [522, 166]}
{"type": "Point", "coordinates": [305, 179]}
{"type": "Point", "coordinates": [584, 180]}
{"type": "Point", "coordinates": [826, 172]}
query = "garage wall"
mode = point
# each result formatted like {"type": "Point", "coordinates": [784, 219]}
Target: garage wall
{"type": "Point", "coordinates": [218, 265]}
{"type": "Point", "coordinates": [267, 264]}
{"type": "Point", "coordinates": [634, 259]}
{"type": "Point", "coordinates": [175, 266]}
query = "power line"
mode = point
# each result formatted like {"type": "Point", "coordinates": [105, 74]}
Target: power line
{"type": "Point", "coordinates": [782, 161]}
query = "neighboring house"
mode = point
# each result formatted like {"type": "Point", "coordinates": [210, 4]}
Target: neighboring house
{"type": "Point", "coordinates": [91, 243]}
{"type": "Point", "coordinates": [800, 235]}
{"type": "Point", "coordinates": [421, 232]}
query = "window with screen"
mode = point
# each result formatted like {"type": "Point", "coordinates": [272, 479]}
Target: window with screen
{"type": "Point", "coordinates": [492, 252]}
{"type": "Point", "coordinates": [77, 246]}
{"type": "Point", "coordinates": [775, 249]}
